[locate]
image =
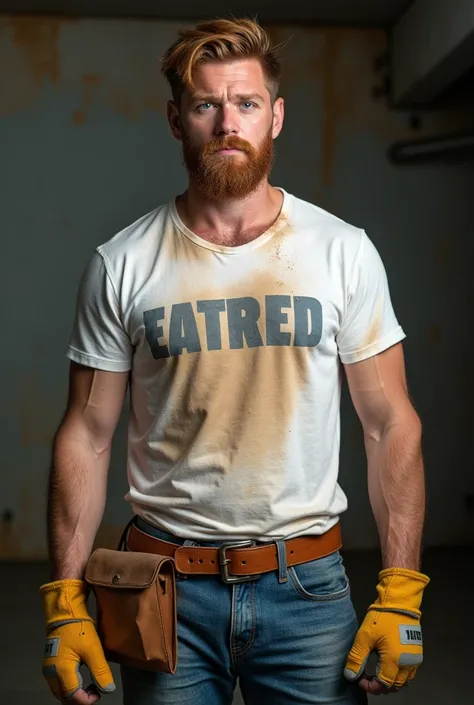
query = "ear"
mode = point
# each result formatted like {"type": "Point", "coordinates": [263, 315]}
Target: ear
{"type": "Point", "coordinates": [174, 120]}
{"type": "Point", "coordinates": [278, 116]}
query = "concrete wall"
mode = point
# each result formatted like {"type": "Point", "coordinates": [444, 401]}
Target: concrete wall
{"type": "Point", "coordinates": [85, 149]}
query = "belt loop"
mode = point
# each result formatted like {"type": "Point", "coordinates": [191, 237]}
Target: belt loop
{"type": "Point", "coordinates": [282, 567]}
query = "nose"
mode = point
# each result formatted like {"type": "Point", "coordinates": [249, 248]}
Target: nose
{"type": "Point", "coordinates": [227, 122]}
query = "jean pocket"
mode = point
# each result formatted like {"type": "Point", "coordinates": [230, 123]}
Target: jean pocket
{"type": "Point", "coordinates": [323, 579]}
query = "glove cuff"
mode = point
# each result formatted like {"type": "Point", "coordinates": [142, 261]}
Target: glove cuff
{"type": "Point", "coordinates": [65, 600]}
{"type": "Point", "coordinates": [65, 582]}
{"type": "Point", "coordinates": [404, 573]}
{"type": "Point", "coordinates": [400, 589]}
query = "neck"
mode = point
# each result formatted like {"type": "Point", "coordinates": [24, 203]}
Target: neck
{"type": "Point", "coordinates": [230, 222]}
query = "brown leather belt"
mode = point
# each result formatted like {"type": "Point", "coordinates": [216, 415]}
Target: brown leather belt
{"type": "Point", "coordinates": [236, 561]}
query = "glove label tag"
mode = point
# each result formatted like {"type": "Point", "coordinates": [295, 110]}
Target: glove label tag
{"type": "Point", "coordinates": [51, 647]}
{"type": "Point", "coordinates": [410, 634]}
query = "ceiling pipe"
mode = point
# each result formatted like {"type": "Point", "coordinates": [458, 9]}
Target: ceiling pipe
{"type": "Point", "coordinates": [459, 146]}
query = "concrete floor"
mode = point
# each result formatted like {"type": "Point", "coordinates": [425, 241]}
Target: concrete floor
{"type": "Point", "coordinates": [448, 623]}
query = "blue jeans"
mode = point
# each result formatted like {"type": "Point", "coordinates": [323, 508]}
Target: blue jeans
{"type": "Point", "coordinates": [285, 637]}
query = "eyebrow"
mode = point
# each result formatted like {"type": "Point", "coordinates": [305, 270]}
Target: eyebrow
{"type": "Point", "coordinates": [250, 96]}
{"type": "Point", "coordinates": [205, 97]}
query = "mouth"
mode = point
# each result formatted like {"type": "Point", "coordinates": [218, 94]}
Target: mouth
{"type": "Point", "coordinates": [228, 150]}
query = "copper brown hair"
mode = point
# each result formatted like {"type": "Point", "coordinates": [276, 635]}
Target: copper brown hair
{"type": "Point", "coordinates": [219, 40]}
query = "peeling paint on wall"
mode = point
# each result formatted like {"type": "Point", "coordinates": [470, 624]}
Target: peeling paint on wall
{"type": "Point", "coordinates": [90, 82]}
{"type": "Point", "coordinates": [35, 50]}
{"type": "Point", "coordinates": [37, 40]}
{"type": "Point", "coordinates": [29, 55]}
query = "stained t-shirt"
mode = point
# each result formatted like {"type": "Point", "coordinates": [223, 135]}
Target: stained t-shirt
{"type": "Point", "coordinates": [235, 365]}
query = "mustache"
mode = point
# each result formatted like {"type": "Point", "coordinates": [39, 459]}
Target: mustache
{"type": "Point", "coordinates": [232, 142]}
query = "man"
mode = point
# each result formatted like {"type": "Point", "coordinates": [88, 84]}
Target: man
{"type": "Point", "coordinates": [229, 312]}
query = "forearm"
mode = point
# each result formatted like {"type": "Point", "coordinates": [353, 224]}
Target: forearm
{"type": "Point", "coordinates": [77, 495]}
{"type": "Point", "coordinates": [397, 492]}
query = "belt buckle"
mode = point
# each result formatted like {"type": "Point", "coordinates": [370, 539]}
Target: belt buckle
{"type": "Point", "coordinates": [224, 562]}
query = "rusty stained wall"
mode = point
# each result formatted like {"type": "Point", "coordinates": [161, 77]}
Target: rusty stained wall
{"type": "Point", "coordinates": [85, 149]}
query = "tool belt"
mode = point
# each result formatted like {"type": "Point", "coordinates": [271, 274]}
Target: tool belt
{"type": "Point", "coordinates": [135, 587]}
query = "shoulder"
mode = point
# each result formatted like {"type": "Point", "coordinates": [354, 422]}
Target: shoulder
{"type": "Point", "coordinates": [326, 235]}
{"type": "Point", "coordinates": [323, 225]}
{"type": "Point", "coordinates": [142, 235]}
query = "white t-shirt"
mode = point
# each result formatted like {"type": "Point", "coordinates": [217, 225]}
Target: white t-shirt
{"type": "Point", "coordinates": [235, 356]}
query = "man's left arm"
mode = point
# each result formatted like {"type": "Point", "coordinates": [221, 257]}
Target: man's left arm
{"type": "Point", "coordinates": [392, 434]}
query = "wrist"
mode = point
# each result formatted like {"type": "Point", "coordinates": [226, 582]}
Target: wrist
{"type": "Point", "coordinates": [67, 568]}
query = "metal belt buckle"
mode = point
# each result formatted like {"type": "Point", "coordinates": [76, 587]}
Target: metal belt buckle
{"type": "Point", "coordinates": [224, 562]}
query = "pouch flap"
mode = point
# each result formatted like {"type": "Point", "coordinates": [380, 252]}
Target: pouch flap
{"type": "Point", "coordinates": [123, 569]}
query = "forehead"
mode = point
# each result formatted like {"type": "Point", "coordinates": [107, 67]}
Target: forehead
{"type": "Point", "coordinates": [228, 76]}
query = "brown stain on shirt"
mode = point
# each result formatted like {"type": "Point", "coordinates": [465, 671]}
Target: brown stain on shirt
{"type": "Point", "coordinates": [375, 328]}
{"type": "Point", "coordinates": [280, 231]}
{"type": "Point", "coordinates": [243, 401]}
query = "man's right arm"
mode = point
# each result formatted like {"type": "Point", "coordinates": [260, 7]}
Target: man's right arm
{"type": "Point", "coordinates": [81, 457]}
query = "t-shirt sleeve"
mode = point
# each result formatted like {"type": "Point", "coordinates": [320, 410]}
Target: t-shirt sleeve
{"type": "Point", "coordinates": [369, 324]}
{"type": "Point", "coordinates": [99, 338]}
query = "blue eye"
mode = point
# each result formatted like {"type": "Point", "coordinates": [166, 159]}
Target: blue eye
{"type": "Point", "coordinates": [247, 104]}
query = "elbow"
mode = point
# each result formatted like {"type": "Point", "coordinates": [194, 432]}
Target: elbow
{"type": "Point", "coordinates": [75, 435]}
{"type": "Point", "coordinates": [404, 422]}
{"type": "Point", "coordinates": [407, 432]}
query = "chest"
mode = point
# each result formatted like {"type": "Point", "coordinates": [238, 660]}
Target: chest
{"type": "Point", "coordinates": [278, 296]}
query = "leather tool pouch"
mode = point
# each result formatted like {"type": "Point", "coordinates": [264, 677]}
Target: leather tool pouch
{"type": "Point", "coordinates": [136, 607]}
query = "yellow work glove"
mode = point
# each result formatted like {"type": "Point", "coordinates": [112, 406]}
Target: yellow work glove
{"type": "Point", "coordinates": [392, 629]}
{"type": "Point", "coordinates": [71, 640]}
